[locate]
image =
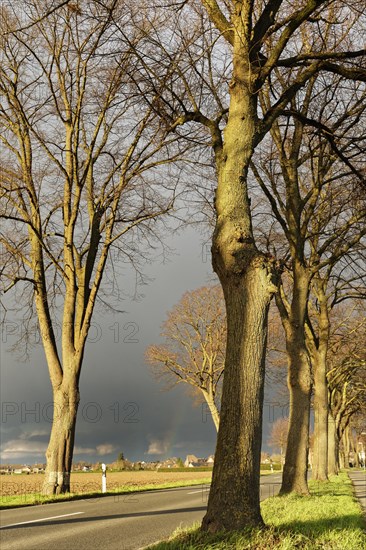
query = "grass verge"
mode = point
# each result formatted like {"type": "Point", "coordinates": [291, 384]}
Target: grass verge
{"type": "Point", "coordinates": [330, 519]}
{"type": "Point", "coordinates": [31, 499]}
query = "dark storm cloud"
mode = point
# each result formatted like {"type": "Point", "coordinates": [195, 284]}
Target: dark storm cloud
{"type": "Point", "coordinates": [122, 407]}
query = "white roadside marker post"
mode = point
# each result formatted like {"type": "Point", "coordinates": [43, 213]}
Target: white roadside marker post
{"type": "Point", "coordinates": [104, 478]}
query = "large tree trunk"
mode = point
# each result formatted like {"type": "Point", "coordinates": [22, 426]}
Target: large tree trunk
{"type": "Point", "coordinates": [234, 495]}
{"type": "Point", "coordinates": [294, 477]}
{"type": "Point", "coordinates": [333, 448]}
{"type": "Point", "coordinates": [246, 278]}
{"type": "Point", "coordinates": [60, 448]}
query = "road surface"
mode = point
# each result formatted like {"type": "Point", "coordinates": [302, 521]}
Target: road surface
{"type": "Point", "coordinates": [358, 479]}
{"type": "Point", "coordinates": [123, 522]}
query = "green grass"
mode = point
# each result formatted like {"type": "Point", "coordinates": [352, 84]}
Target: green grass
{"type": "Point", "coordinates": [31, 499]}
{"type": "Point", "coordinates": [330, 519]}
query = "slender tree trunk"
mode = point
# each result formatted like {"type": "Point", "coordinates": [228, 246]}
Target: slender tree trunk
{"type": "Point", "coordinates": [310, 458]}
{"type": "Point", "coordinates": [294, 477]}
{"type": "Point", "coordinates": [212, 408]}
{"type": "Point", "coordinates": [355, 450]}
{"type": "Point", "coordinates": [321, 406]}
{"type": "Point", "coordinates": [346, 446]}
{"type": "Point", "coordinates": [333, 450]}
{"type": "Point", "coordinates": [320, 470]}
{"type": "Point", "coordinates": [60, 448]}
{"type": "Point", "coordinates": [342, 462]}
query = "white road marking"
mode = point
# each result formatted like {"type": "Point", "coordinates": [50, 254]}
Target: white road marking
{"type": "Point", "coordinates": [42, 519]}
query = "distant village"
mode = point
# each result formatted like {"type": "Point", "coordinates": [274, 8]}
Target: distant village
{"type": "Point", "coordinates": [122, 464]}
{"type": "Point", "coordinates": [191, 461]}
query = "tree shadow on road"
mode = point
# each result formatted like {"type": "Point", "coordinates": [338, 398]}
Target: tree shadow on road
{"type": "Point", "coordinates": [74, 521]}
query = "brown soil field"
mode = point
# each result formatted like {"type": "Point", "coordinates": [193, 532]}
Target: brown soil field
{"type": "Point", "coordinates": [20, 484]}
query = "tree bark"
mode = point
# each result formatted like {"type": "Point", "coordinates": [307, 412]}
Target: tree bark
{"type": "Point", "coordinates": [356, 462]}
{"type": "Point", "coordinates": [60, 448]}
{"type": "Point", "coordinates": [234, 494]}
{"type": "Point", "coordinates": [346, 448]}
{"type": "Point", "coordinates": [294, 477]}
{"type": "Point", "coordinates": [342, 460]}
{"type": "Point", "coordinates": [321, 405]}
{"type": "Point", "coordinates": [212, 408]}
{"type": "Point", "coordinates": [333, 447]}
{"type": "Point", "coordinates": [320, 470]}
{"type": "Point", "coordinates": [246, 278]}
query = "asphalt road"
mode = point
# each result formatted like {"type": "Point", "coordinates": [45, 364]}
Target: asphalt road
{"type": "Point", "coordinates": [123, 522]}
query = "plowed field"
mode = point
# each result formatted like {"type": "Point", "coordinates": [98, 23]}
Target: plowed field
{"type": "Point", "coordinates": [20, 484]}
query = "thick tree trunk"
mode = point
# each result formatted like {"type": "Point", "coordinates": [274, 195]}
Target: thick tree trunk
{"type": "Point", "coordinates": [294, 477]}
{"type": "Point", "coordinates": [246, 278]}
{"type": "Point", "coordinates": [234, 495]}
{"type": "Point", "coordinates": [60, 448]}
{"type": "Point", "coordinates": [320, 469]}
{"type": "Point", "coordinates": [333, 450]}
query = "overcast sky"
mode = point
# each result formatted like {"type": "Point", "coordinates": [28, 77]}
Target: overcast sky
{"type": "Point", "coordinates": [122, 408]}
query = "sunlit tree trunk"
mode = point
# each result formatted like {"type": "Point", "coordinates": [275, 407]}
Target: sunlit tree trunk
{"type": "Point", "coordinates": [319, 363]}
{"type": "Point", "coordinates": [246, 279]}
{"type": "Point", "coordinates": [60, 448]}
{"type": "Point", "coordinates": [342, 460]}
{"type": "Point", "coordinates": [346, 447]}
{"type": "Point", "coordinates": [212, 408]}
{"type": "Point", "coordinates": [355, 450]}
{"type": "Point", "coordinates": [333, 447]}
{"type": "Point", "coordinates": [320, 469]}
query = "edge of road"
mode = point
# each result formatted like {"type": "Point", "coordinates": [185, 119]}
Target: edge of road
{"type": "Point", "coordinates": [358, 479]}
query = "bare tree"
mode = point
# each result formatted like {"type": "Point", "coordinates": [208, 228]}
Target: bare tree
{"type": "Point", "coordinates": [194, 345]}
{"type": "Point", "coordinates": [346, 378]}
{"type": "Point", "coordinates": [304, 172]}
{"type": "Point", "coordinates": [260, 39]}
{"type": "Point", "coordinates": [78, 157]}
{"type": "Point", "coordinates": [278, 436]}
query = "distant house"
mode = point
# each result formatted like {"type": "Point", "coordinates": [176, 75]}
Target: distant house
{"type": "Point", "coordinates": [195, 465]}
{"type": "Point", "coordinates": [193, 462]}
{"type": "Point", "coordinates": [170, 463]}
{"type": "Point", "coordinates": [38, 469]}
{"type": "Point", "coordinates": [191, 459]}
{"type": "Point", "coordinates": [21, 469]}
